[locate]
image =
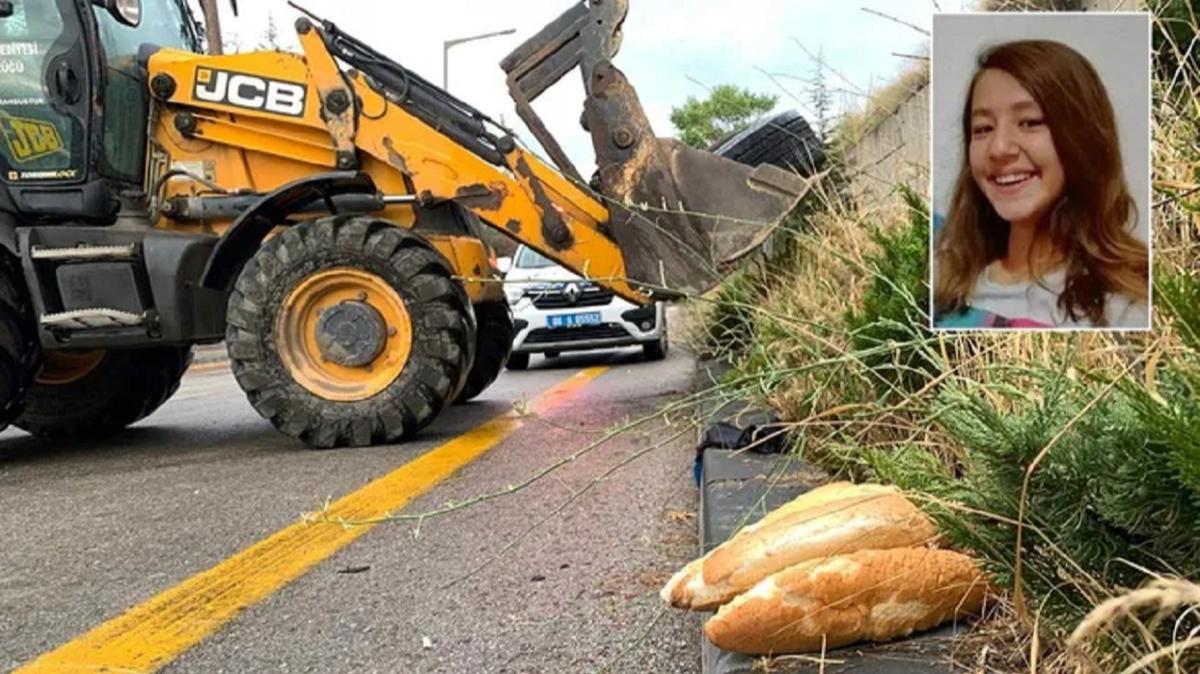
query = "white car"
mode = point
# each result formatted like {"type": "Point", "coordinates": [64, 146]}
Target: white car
{"type": "Point", "coordinates": [555, 310]}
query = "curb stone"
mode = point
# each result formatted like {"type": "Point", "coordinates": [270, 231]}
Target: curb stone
{"type": "Point", "coordinates": [209, 353]}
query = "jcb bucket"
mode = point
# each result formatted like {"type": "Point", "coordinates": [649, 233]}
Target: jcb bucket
{"type": "Point", "coordinates": [681, 216]}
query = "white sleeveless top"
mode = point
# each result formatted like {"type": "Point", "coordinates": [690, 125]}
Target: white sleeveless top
{"type": "Point", "coordinates": [1030, 301]}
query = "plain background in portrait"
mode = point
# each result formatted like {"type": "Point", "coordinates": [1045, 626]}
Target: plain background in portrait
{"type": "Point", "coordinates": [1118, 46]}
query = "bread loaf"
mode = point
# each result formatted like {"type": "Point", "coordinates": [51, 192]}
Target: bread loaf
{"type": "Point", "coordinates": [834, 519]}
{"type": "Point", "coordinates": [871, 595]}
{"type": "Point", "coordinates": [834, 491]}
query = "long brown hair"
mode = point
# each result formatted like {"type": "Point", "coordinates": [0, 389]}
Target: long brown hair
{"type": "Point", "coordinates": [1088, 225]}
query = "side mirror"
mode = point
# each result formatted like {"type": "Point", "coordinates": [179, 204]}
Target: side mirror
{"type": "Point", "coordinates": [127, 12]}
{"type": "Point", "coordinates": [503, 264]}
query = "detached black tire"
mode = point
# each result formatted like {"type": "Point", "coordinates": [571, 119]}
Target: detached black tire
{"type": "Point", "coordinates": [784, 140]}
{"type": "Point", "coordinates": [18, 340]}
{"type": "Point", "coordinates": [348, 331]}
{"type": "Point", "coordinates": [108, 392]}
{"type": "Point", "coordinates": [493, 345]}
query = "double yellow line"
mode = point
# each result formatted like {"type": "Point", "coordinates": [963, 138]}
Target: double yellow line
{"type": "Point", "coordinates": [150, 635]}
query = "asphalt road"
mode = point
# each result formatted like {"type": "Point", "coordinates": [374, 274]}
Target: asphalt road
{"type": "Point", "coordinates": [92, 530]}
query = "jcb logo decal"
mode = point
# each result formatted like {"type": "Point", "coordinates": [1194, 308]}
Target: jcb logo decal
{"type": "Point", "coordinates": [29, 139]}
{"type": "Point", "coordinates": [249, 91]}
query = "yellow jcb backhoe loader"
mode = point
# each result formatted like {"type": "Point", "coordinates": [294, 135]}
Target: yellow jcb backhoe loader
{"type": "Point", "coordinates": [320, 212]}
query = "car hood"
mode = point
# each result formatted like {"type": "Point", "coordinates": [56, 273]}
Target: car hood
{"type": "Point", "coordinates": [544, 275]}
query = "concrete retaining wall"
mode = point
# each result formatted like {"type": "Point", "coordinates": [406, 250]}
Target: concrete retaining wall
{"type": "Point", "coordinates": [896, 150]}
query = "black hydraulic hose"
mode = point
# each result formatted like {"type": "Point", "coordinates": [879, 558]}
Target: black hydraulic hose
{"type": "Point", "coordinates": [428, 102]}
{"type": "Point", "coordinates": [354, 49]}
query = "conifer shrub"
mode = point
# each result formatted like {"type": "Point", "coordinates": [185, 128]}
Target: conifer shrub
{"type": "Point", "coordinates": [894, 309]}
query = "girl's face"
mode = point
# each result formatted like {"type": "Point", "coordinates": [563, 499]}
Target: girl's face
{"type": "Point", "coordinates": [1011, 152]}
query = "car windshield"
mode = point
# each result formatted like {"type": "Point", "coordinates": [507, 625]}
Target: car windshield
{"type": "Point", "coordinates": [528, 258]}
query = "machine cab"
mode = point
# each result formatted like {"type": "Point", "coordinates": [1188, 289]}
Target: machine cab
{"type": "Point", "coordinates": [74, 101]}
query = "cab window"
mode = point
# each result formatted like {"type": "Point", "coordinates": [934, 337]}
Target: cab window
{"type": "Point", "coordinates": [165, 23]}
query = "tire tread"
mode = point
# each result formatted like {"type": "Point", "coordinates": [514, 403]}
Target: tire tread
{"type": "Point", "coordinates": [439, 310]}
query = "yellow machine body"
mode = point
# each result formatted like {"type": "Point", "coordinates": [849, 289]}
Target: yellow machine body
{"type": "Point", "coordinates": [321, 214]}
{"type": "Point", "coordinates": [240, 143]}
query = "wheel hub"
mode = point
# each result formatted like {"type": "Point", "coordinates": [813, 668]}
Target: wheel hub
{"type": "Point", "coordinates": [351, 334]}
{"type": "Point", "coordinates": [344, 334]}
{"type": "Point", "coordinates": [60, 368]}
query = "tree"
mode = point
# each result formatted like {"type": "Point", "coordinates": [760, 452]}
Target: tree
{"type": "Point", "coordinates": [270, 38]}
{"type": "Point", "coordinates": [728, 109]}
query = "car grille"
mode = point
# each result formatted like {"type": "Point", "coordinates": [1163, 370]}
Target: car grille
{"type": "Point", "coordinates": [589, 295]}
{"type": "Point", "coordinates": [580, 334]}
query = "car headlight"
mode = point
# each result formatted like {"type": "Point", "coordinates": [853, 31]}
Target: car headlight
{"type": "Point", "coordinates": [513, 293]}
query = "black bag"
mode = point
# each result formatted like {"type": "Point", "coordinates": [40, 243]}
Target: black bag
{"type": "Point", "coordinates": [765, 437]}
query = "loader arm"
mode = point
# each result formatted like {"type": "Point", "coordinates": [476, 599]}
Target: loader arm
{"type": "Point", "coordinates": [320, 213]}
{"type": "Point", "coordinates": [667, 220]}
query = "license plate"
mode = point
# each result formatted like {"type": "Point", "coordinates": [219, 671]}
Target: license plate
{"type": "Point", "coordinates": [573, 320]}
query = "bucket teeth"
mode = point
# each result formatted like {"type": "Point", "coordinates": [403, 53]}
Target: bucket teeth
{"type": "Point", "coordinates": [681, 216]}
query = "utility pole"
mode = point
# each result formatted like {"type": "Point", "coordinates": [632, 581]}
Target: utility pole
{"type": "Point", "coordinates": [212, 27]}
{"type": "Point", "coordinates": [457, 41]}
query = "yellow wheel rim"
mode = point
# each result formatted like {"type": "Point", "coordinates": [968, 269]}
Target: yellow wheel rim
{"type": "Point", "coordinates": [60, 368]}
{"type": "Point", "coordinates": [324, 370]}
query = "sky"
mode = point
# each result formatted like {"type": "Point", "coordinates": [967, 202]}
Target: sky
{"type": "Point", "coordinates": [671, 50]}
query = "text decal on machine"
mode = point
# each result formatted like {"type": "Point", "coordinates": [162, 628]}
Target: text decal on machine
{"type": "Point", "coordinates": [250, 91]}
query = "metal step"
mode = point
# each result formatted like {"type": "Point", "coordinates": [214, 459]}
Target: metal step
{"type": "Point", "coordinates": [87, 319]}
{"type": "Point", "coordinates": [84, 252]}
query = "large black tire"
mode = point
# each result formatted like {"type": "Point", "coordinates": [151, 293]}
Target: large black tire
{"type": "Point", "coordinates": [493, 345]}
{"type": "Point", "coordinates": [518, 361]}
{"type": "Point", "coordinates": [442, 331]}
{"type": "Point", "coordinates": [784, 140]}
{"type": "Point", "coordinates": [124, 387]}
{"type": "Point", "coordinates": [18, 340]}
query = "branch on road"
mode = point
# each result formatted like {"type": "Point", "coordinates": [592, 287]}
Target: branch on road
{"type": "Point", "coordinates": [694, 400]}
{"type": "Point", "coordinates": [519, 538]}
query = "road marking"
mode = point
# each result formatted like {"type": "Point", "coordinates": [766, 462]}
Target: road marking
{"type": "Point", "coordinates": [150, 635]}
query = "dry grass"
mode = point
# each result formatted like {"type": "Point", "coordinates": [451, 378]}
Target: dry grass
{"type": "Point", "coordinates": [1029, 5]}
{"type": "Point", "coordinates": [800, 357]}
{"type": "Point", "coordinates": [883, 103]}
{"type": "Point", "coordinates": [1137, 618]}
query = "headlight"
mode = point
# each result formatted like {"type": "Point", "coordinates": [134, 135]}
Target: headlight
{"type": "Point", "coordinates": [513, 293]}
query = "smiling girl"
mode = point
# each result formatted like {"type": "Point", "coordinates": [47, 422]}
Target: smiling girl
{"type": "Point", "coordinates": [1039, 228]}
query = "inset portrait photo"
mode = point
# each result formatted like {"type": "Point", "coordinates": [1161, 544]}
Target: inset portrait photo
{"type": "Point", "coordinates": [1041, 171]}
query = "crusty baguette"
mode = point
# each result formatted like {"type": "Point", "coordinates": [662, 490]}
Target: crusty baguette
{"type": "Point", "coordinates": [830, 520]}
{"type": "Point", "coordinates": [826, 493]}
{"type": "Point", "coordinates": [681, 588]}
{"type": "Point", "coordinates": [871, 595]}
{"type": "Point", "coordinates": [672, 592]}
